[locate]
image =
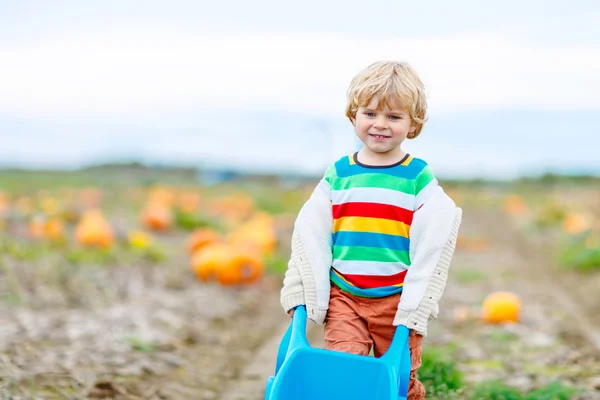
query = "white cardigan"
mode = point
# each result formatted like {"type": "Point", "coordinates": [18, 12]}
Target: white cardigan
{"type": "Point", "coordinates": [433, 234]}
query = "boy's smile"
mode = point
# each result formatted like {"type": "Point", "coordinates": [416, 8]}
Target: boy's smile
{"type": "Point", "coordinates": [379, 137]}
{"type": "Point", "coordinates": [382, 130]}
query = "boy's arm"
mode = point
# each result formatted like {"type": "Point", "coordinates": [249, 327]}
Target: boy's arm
{"type": "Point", "coordinates": [292, 292]}
{"type": "Point", "coordinates": [307, 278]}
{"type": "Point", "coordinates": [432, 241]}
{"type": "Point", "coordinates": [424, 288]}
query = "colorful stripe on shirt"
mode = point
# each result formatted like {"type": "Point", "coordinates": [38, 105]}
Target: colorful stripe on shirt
{"type": "Point", "coordinates": [373, 210]}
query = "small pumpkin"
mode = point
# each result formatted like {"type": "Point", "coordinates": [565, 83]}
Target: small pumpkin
{"type": "Point", "coordinates": [41, 227]}
{"type": "Point", "coordinates": [36, 227]}
{"type": "Point", "coordinates": [472, 244]}
{"type": "Point", "coordinates": [200, 238]}
{"type": "Point", "coordinates": [54, 229]}
{"type": "Point", "coordinates": [90, 197]}
{"type": "Point", "coordinates": [4, 203]}
{"type": "Point", "coordinates": [24, 205]}
{"type": "Point", "coordinates": [163, 195]}
{"type": "Point", "coordinates": [501, 307]}
{"type": "Point", "coordinates": [157, 216]}
{"type": "Point", "coordinates": [514, 205]}
{"type": "Point", "coordinates": [50, 205]}
{"type": "Point", "coordinates": [189, 202]}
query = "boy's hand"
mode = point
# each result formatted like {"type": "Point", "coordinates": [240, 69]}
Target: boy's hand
{"type": "Point", "coordinates": [291, 312]}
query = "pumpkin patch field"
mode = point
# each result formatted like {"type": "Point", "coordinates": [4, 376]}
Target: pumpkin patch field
{"type": "Point", "coordinates": [130, 282]}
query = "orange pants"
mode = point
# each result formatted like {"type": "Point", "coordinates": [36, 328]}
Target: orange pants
{"type": "Point", "coordinates": [356, 324]}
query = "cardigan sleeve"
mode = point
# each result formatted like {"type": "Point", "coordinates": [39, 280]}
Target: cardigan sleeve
{"type": "Point", "coordinates": [416, 318]}
{"type": "Point", "coordinates": [307, 278]}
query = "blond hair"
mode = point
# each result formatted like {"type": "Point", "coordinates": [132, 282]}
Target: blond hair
{"type": "Point", "coordinates": [394, 83]}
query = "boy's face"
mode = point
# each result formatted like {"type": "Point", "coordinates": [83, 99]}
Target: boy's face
{"type": "Point", "coordinates": [382, 130]}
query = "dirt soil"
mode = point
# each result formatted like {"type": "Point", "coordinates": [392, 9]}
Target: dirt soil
{"type": "Point", "coordinates": [195, 341]}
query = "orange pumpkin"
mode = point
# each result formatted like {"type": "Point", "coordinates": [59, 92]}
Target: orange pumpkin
{"type": "Point", "coordinates": [239, 205]}
{"type": "Point", "coordinates": [40, 227]}
{"type": "Point", "coordinates": [24, 205]}
{"type": "Point", "coordinates": [90, 197]}
{"type": "Point", "coordinates": [54, 229]}
{"type": "Point", "coordinates": [161, 195]}
{"type": "Point", "coordinates": [227, 264]}
{"type": "Point", "coordinates": [575, 223]}
{"type": "Point", "coordinates": [200, 238]}
{"type": "Point", "coordinates": [592, 242]}
{"type": "Point", "coordinates": [50, 205]}
{"type": "Point", "coordinates": [501, 307]}
{"type": "Point", "coordinates": [4, 203]}
{"type": "Point", "coordinates": [189, 202]}
{"type": "Point", "coordinates": [94, 230]}
{"type": "Point", "coordinates": [36, 227]}
{"type": "Point", "coordinates": [157, 216]}
{"type": "Point", "coordinates": [472, 244]}
{"type": "Point", "coordinates": [206, 261]}
{"type": "Point", "coordinates": [257, 233]}
{"type": "Point", "coordinates": [515, 205]}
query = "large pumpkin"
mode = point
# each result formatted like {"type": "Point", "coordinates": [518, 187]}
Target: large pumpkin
{"type": "Point", "coordinates": [501, 307]}
{"type": "Point", "coordinates": [576, 223]}
{"type": "Point", "coordinates": [227, 264]}
{"type": "Point", "coordinates": [94, 230]}
{"type": "Point", "coordinates": [257, 233]}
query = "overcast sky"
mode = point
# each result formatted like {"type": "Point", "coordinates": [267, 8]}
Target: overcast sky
{"type": "Point", "coordinates": [262, 80]}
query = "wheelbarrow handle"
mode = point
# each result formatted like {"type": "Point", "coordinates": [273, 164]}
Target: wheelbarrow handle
{"type": "Point", "coordinates": [398, 356]}
{"type": "Point", "coordinates": [294, 337]}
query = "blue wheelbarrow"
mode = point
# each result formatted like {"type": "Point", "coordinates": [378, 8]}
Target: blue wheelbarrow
{"type": "Point", "coordinates": [304, 372]}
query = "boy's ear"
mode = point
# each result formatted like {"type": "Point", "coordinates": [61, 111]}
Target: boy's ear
{"type": "Point", "coordinates": [411, 131]}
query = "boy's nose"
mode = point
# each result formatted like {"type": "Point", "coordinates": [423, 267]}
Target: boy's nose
{"type": "Point", "coordinates": [380, 123]}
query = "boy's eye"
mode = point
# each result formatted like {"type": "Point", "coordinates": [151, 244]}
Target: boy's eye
{"type": "Point", "coordinates": [394, 117]}
{"type": "Point", "coordinates": [369, 114]}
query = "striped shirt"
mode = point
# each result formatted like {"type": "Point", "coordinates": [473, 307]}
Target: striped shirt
{"type": "Point", "coordinates": [373, 208]}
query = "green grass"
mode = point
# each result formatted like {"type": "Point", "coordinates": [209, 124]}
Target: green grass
{"type": "Point", "coordinates": [443, 379]}
{"type": "Point", "coordinates": [501, 336]}
{"type": "Point", "coordinates": [495, 390]}
{"type": "Point", "coordinates": [277, 263]}
{"type": "Point", "coordinates": [581, 253]}
{"type": "Point", "coordinates": [138, 344]}
{"type": "Point", "coordinates": [439, 372]}
{"type": "Point", "coordinates": [190, 222]}
{"type": "Point", "coordinates": [498, 390]}
{"type": "Point", "coordinates": [553, 391]}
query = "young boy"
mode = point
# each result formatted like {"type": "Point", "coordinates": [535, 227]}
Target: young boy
{"type": "Point", "coordinates": [372, 246]}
